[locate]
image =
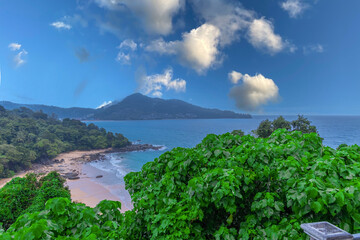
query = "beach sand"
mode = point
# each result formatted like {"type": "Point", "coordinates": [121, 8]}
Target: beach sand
{"type": "Point", "coordinates": [83, 190]}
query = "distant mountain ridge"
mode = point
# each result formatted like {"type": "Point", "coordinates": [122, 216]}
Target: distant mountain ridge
{"type": "Point", "coordinates": [133, 107]}
{"type": "Point", "coordinates": [74, 112]}
{"type": "Point", "coordinates": [140, 107]}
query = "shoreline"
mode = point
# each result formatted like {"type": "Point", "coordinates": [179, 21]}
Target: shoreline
{"type": "Point", "coordinates": [83, 189]}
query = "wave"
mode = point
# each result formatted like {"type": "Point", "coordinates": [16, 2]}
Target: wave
{"type": "Point", "coordinates": [100, 165]}
{"type": "Point", "coordinates": [117, 162]}
{"type": "Point", "coordinates": [162, 148]}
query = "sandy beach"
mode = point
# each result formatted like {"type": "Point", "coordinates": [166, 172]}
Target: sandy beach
{"type": "Point", "coordinates": [83, 189]}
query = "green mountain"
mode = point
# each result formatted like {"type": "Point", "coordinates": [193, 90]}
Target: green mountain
{"type": "Point", "coordinates": [133, 107]}
{"type": "Point", "coordinates": [140, 107]}
{"type": "Point", "coordinates": [74, 112]}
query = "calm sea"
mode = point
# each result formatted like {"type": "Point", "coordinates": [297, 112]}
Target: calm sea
{"type": "Point", "coordinates": [187, 133]}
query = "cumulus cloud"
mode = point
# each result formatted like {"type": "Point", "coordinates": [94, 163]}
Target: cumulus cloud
{"type": "Point", "coordinates": [14, 46]}
{"type": "Point", "coordinates": [19, 58]}
{"type": "Point", "coordinates": [294, 7]}
{"type": "Point", "coordinates": [61, 25]}
{"type": "Point", "coordinates": [82, 54]}
{"type": "Point", "coordinates": [262, 36]}
{"type": "Point", "coordinates": [123, 58]}
{"type": "Point", "coordinates": [314, 48]}
{"type": "Point", "coordinates": [229, 17]}
{"type": "Point", "coordinates": [155, 15]}
{"type": "Point", "coordinates": [155, 84]}
{"type": "Point", "coordinates": [234, 77]}
{"type": "Point", "coordinates": [128, 44]}
{"type": "Point", "coordinates": [224, 22]}
{"type": "Point", "coordinates": [198, 48]}
{"type": "Point", "coordinates": [104, 104]}
{"type": "Point", "coordinates": [254, 92]}
{"type": "Point", "coordinates": [162, 47]}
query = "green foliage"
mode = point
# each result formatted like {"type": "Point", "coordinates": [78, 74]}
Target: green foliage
{"type": "Point", "coordinates": [232, 187]}
{"type": "Point", "coordinates": [62, 219]}
{"type": "Point", "coordinates": [238, 132]}
{"type": "Point", "coordinates": [27, 137]}
{"type": "Point", "coordinates": [267, 127]}
{"type": "Point", "coordinates": [28, 194]}
{"type": "Point", "coordinates": [280, 122]}
{"type": "Point", "coordinates": [302, 124]}
{"type": "Point", "coordinates": [227, 187]}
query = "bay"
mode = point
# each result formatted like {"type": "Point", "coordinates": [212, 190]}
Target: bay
{"type": "Point", "coordinates": [169, 134]}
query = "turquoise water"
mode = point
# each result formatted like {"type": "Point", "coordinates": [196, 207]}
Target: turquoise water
{"type": "Point", "coordinates": [187, 133]}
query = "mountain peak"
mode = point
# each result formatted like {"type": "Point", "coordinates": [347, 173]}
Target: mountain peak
{"type": "Point", "coordinates": [140, 107]}
{"type": "Point", "coordinates": [134, 107]}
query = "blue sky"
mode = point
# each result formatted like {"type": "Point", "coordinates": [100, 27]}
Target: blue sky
{"type": "Point", "coordinates": [256, 56]}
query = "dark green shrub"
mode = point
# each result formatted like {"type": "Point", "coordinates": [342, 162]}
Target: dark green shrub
{"type": "Point", "coordinates": [22, 195]}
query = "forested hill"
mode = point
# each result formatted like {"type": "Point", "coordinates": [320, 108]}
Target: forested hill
{"type": "Point", "coordinates": [140, 107]}
{"type": "Point", "coordinates": [133, 107]}
{"type": "Point", "coordinates": [27, 137]}
{"type": "Point", "coordinates": [74, 112]}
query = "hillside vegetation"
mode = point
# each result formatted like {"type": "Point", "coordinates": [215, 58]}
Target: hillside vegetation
{"type": "Point", "coordinates": [28, 137]}
{"type": "Point", "coordinates": [227, 187]}
{"type": "Point", "coordinates": [29, 194]}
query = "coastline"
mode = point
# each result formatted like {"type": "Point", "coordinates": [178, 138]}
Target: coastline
{"type": "Point", "coordinates": [80, 179]}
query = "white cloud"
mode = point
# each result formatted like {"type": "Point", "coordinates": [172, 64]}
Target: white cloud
{"type": "Point", "coordinates": [198, 49]}
{"type": "Point", "coordinates": [155, 15]}
{"type": "Point", "coordinates": [123, 58]}
{"type": "Point", "coordinates": [254, 92]}
{"type": "Point", "coordinates": [234, 76]}
{"type": "Point", "coordinates": [14, 46]}
{"type": "Point", "coordinates": [317, 48]}
{"type": "Point", "coordinates": [60, 25]}
{"type": "Point", "coordinates": [224, 21]}
{"type": "Point", "coordinates": [261, 35]}
{"type": "Point", "coordinates": [18, 59]}
{"type": "Point", "coordinates": [294, 7]}
{"type": "Point", "coordinates": [128, 44]}
{"type": "Point", "coordinates": [155, 84]}
{"type": "Point", "coordinates": [104, 104]}
{"type": "Point", "coordinates": [162, 47]}
{"type": "Point", "coordinates": [157, 94]}
{"type": "Point", "coordinates": [229, 18]}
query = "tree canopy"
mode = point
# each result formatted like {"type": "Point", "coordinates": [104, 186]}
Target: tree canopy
{"type": "Point", "coordinates": [29, 194]}
{"type": "Point", "coordinates": [27, 137]}
{"type": "Point", "coordinates": [267, 127]}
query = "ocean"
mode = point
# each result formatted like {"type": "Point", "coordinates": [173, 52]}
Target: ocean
{"type": "Point", "coordinates": [187, 133]}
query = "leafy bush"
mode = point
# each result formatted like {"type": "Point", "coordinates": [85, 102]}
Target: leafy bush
{"type": "Point", "coordinates": [28, 194]}
{"type": "Point", "coordinates": [231, 187]}
{"type": "Point", "coordinates": [74, 220]}
{"type": "Point", "coordinates": [227, 187]}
